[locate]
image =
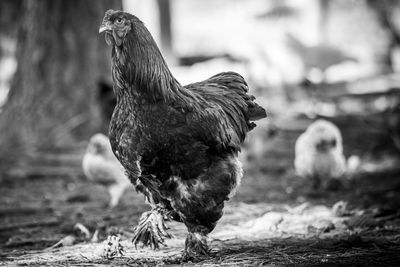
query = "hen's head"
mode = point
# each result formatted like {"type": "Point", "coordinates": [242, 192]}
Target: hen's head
{"type": "Point", "coordinates": [116, 24]}
{"type": "Point", "coordinates": [98, 144]}
{"type": "Point", "coordinates": [324, 136]}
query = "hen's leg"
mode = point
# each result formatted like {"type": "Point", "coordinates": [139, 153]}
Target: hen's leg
{"type": "Point", "coordinates": [195, 246]}
{"type": "Point", "coordinates": [151, 230]}
{"type": "Point", "coordinates": [201, 201]}
{"type": "Point", "coordinates": [116, 191]}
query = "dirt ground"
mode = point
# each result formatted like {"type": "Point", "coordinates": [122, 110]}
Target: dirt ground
{"type": "Point", "coordinates": [273, 220]}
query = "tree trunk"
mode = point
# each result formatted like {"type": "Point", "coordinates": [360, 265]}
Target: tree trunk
{"type": "Point", "coordinates": [324, 7]}
{"type": "Point", "coordinates": [61, 58]}
{"type": "Point", "coordinates": [387, 12]}
{"type": "Point", "coordinates": [9, 17]}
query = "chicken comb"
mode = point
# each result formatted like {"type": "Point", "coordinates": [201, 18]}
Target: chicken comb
{"type": "Point", "coordinates": [108, 14]}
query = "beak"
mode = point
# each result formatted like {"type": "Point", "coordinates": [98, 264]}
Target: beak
{"type": "Point", "coordinates": [105, 26]}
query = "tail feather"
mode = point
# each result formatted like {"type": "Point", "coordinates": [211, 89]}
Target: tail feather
{"type": "Point", "coordinates": [256, 113]}
{"type": "Point", "coordinates": [236, 82]}
{"type": "Point", "coordinates": [229, 91]}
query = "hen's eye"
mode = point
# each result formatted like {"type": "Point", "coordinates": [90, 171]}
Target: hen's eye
{"type": "Point", "coordinates": [118, 20]}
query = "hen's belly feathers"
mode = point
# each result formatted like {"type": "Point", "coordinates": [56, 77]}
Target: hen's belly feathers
{"type": "Point", "coordinates": [199, 202]}
{"type": "Point", "coordinates": [329, 165]}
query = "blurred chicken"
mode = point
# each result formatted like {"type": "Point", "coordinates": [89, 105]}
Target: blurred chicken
{"type": "Point", "coordinates": [319, 154]}
{"type": "Point", "coordinates": [100, 166]}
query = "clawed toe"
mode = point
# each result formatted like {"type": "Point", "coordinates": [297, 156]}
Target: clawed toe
{"type": "Point", "coordinates": [151, 230]}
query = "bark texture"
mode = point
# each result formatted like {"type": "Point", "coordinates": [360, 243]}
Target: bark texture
{"type": "Point", "coordinates": [61, 59]}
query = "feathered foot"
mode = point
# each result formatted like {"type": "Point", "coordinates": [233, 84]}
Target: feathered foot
{"type": "Point", "coordinates": [151, 230]}
{"type": "Point", "coordinates": [195, 247]}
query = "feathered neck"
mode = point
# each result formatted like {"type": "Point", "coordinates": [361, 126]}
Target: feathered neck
{"type": "Point", "coordinates": [139, 69]}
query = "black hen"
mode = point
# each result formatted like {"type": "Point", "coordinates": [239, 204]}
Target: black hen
{"type": "Point", "coordinates": [178, 144]}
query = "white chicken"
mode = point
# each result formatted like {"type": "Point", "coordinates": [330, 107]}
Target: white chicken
{"type": "Point", "coordinates": [101, 166]}
{"type": "Point", "coordinates": [319, 154]}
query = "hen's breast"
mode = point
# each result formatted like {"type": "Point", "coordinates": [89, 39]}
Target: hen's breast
{"type": "Point", "coordinates": [153, 134]}
{"type": "Point", "coordinates": [329, 165]}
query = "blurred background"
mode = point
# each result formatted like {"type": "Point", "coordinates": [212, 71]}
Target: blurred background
{"type": "Point", "coordinates": [303, 59]}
